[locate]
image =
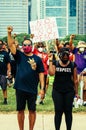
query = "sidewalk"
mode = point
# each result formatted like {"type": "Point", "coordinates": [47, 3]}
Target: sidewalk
{"type": "Point", "coordinates": [43, 122]}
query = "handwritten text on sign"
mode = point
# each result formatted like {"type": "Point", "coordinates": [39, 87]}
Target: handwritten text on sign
{"type": "Point", "coordinates": [44, 29]}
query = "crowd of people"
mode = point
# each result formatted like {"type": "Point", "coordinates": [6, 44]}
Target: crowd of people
{"type": "Point", "coordinates": [29, 67]}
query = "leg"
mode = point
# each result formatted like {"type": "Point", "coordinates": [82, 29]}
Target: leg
{"type": "Point", "coordinates": [32, 118]}
{"type": "Point", "coordinates": [68, 101]}
{"type": "Point", "coordinates": [20, 117]}
{"type": "Point", "coordinates": [84, 91]}
{"type": "Point", "coordinates": [58, 104]}
{"type": "Point", "coordinates": [47, 83]}
{"type": "Point", "coordinates": [4, 88]}
{"type": "Point", "coordinates": [31, 102]}
{"type": "Point", "coordinates": [21, 103]}
{"type": "Point", "coordinates": [5, 96]}
{"type": "Point", "coordinates": [57, 119]}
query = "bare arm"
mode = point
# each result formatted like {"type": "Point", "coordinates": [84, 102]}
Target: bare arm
{"type": "Point", "coordinates": [8, 70]}
{"type": "Point", "coordinates": [51, 66]}
{"type": "Point", "coordinates": [71, 41]}
{"type": "Point", "coordinates": [75, 77]}
{"type": "Point", "coordinates": [11, 41]}
{"type": "Point", "coordinates": [57, 44]}
{"type": "Point", "coordinates": [41, 79]}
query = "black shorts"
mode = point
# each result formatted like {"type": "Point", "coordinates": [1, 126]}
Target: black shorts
{"type": "Point", "coordinates": [3, 82]}
{"type": "Point", "coordinates": [23, 98]}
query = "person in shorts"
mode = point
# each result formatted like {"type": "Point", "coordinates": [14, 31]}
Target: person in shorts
{"type": "Point", "coordinates": [29, 72]}
{"type": "Point", "coordinates": [5, 70]}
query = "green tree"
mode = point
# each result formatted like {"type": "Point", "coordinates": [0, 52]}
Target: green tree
{"type": "Point", "coordinates": [76, 39]}
{"type": "Point", "coordinates": [19, 37]}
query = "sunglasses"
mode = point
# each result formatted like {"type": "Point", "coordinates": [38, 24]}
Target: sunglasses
{"type": "Point", "coordinates": [27, 45]}
{"type": "Point", "coordinates": [40, 46]}
{"type": "Point", "coordinates": [1, 43]}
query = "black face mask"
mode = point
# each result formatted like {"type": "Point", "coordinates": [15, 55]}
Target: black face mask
{"type": "Point", "coordinates": [64, 61]}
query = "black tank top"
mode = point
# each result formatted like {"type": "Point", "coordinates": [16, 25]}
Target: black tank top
{"type": "Point", "coordinates": [63, 81]}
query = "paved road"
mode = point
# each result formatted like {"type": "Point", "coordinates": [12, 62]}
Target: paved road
{"type": "Point", "coordinates": [43, 122]}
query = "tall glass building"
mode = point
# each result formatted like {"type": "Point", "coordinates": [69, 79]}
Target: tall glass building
{"type": "Point", "coordinates": [81, 16]}
{"type": "Point", "coordinates": [72, 17]}
{"type": "Point", "coordinates": [63, 10]}
{"type": "Point", "coordinates": [15, 13]}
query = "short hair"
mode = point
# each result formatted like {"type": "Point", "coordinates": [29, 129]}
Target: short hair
{"type": "Point", "coordinates": [40, 44]}
{"type": "Point", "coordinates": [27, 39]}
{"type": "Point", "coordinates": [66, 43]}
{"type": "Point", "coordinates": [63, 51]}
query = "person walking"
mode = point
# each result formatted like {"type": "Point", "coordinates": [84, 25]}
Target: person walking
{"type": "Point", "coordinates": [5, 70]}
{"type": "Point", "coordinates": [39, 51]}
{"type": "Point", "coordinates": [65, 86]}
{"type": "Point", "coordinates": [29, 73]}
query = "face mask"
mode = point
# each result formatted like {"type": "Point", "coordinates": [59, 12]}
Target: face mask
{"type": "Point", "coordinates": [40, 49]}
{"type": "Point", "coordinates": [27, 49]}
{"type": "Point", "coordinates": [81, 49]}
{"type": "Point", "coordinates": [64, 61]}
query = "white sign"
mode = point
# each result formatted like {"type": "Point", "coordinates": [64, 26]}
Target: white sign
{"type": "Point", "coordinates": [44, 29]}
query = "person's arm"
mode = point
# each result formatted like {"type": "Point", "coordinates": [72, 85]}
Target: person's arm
{"type": "Point", "coordinates": [83, 72]}
{"type": "Point", "coordinates": [41, 79]}
{"type": "Point", "coordinates": [57, 45]}
{"type": "Point", "coordinates": [75, 78]}
{"type": "Point", "coordinates": [71, 42]}
{"type": "Point", "coordinates": [8, 70]}
{"type": "Point", "coordinates": [51, 66]}
{"type": "Point", "coordinates": [11, 41]}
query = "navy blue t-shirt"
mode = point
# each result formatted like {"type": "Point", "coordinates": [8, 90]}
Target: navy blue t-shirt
{"type": "Point", "coordinates": [4, 60]}
{"type": "Point", "coordinates": [26, 78]}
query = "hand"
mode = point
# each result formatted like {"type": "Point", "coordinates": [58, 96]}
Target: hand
{"type": "Point", "coordinates": [42, 93]}
{"type": "Point", "coordinates": [77, 96]}
{"type": "Point", "coordinates": [82, 73]}
{"type": "Point", "coordinates": [32, 63]}
{"type": "Point", "coordinates": [31, 36]}
{"type": "Point", "coordinates": [72, 36]}
{"type": "Point", "coordinates": [9, 29]}
{"type": "Point", "coordinates": [50, 56]}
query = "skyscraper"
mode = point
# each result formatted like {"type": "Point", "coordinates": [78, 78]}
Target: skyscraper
{"type": "Point", "coordinates": [81, 16]}
{"type": "Point", "coordinates": [15, 13]}
{"type": "Point", "coordinates": [72, 17]}
{"type": "Point", "coordinates": [63, 10]}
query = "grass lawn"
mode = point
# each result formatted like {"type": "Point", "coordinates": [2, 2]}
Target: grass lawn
{"type": "Point", "coordinates": [46, 108]}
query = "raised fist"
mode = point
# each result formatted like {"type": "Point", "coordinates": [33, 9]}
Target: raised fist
{"type": "Point", "coordinates": [31, 36]}
{"type": "Point", "coordinates": [9, 28]}
{"type": "Point", "coordinates": [72, 36]}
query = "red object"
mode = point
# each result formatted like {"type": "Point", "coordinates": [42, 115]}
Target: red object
{"type": "Point", "coordinates": [71, 56]}
{"type": "Point", "coordinates": [44, 57]}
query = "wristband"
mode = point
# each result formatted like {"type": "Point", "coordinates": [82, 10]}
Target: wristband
{"type": "Point", "coordinates": [9, 72]}
{"type": "Point", "coordinates": [50, 60]}
{"type": "Point", "coordinates": [42, 88]}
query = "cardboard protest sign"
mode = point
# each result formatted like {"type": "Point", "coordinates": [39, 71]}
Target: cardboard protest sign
{"type": "Point", "coordinates": [44, 29]}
